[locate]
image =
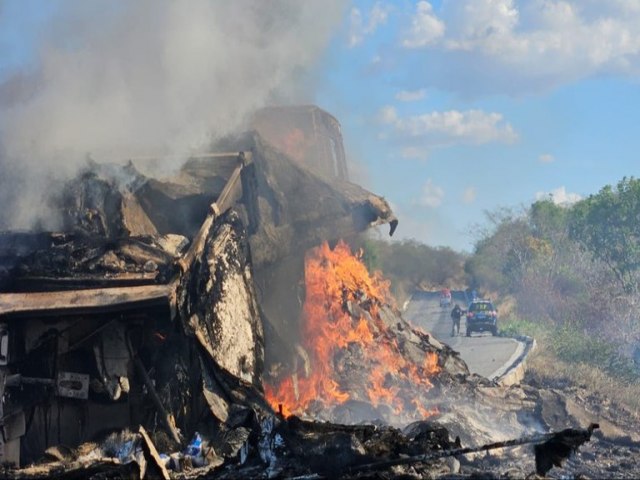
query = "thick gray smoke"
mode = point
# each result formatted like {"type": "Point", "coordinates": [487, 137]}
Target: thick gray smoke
{"type": "Point", "coordinates": [116, 79]}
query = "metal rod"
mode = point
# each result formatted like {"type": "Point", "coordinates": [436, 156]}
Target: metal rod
{"type": "Point", "coordinates": [541, 438]}
{"type": "Point", "coordinates": [17, 379]}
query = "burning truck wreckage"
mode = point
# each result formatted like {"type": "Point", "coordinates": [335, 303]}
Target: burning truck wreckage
{"type": "Point", "coordinates": [215, 323]}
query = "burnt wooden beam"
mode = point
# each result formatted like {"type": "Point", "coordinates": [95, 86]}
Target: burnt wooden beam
{"type": "Point", "coordinates": [164, 416]}
{"type": "Point", "coordinates": [86, 301]}
{"type": "Point", "coordinates": [121, 279]}
{"type": "Point", "coordinates": [229, 195]}
{"type": "Point", "coordinates": [158, 469]}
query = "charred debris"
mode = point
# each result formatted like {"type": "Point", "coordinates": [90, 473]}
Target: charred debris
{"type": "Point", "coordinates": [135, 341]}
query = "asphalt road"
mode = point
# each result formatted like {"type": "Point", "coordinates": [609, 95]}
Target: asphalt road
{"type": "Point", "coordinates": [485, 354]}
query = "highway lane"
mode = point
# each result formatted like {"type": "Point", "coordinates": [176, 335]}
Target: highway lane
{"type": "Point", "coordinates": [485, 354]}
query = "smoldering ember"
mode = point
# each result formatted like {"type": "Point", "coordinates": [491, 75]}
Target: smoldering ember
{"type": "Point", "coordinates": [216, 323]}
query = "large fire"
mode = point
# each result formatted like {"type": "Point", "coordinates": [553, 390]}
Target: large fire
{"type": "Point", "coordinates": [342, 318]}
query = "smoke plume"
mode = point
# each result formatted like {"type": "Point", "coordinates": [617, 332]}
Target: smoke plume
{"type": "Point", "coordinates": [115, 79]}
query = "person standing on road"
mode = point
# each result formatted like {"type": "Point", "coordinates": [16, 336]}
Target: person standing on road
{"type": "Point", "coordinates": [456, 313]}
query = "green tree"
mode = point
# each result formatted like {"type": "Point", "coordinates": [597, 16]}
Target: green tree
{"type": "Point", "coordinates": [372, 253]}
{"type": "Point", "coordinates": [608, 226]}
{"type": "Point", "coordinates": [502, 253]}
{"type": "Point", "coordinates": [548, 219]}
{"type": "Point", "coordinates": [411, 265]}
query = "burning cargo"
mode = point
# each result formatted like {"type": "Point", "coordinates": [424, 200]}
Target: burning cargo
{"type": "Point", "coordinates": [146, 270]}
{"type": "Point", "coordinates": [197, 305]}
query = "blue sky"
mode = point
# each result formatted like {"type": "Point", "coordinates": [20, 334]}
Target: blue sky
{"type": "Point", "coordinates": [449, 108]}
{"type": "Point", "coordinates": [553, 84]}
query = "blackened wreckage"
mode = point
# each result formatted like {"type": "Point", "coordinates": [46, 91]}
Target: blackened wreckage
{"type": "Point", "coordinates": [147, 270]}
{"type": "Point", "coordinates": [141, 326]}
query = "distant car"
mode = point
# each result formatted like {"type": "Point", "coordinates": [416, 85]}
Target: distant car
{"type": "Point", "coordinates": [482, 316]}
{"type": "Point", "coordinates": [445, 299]}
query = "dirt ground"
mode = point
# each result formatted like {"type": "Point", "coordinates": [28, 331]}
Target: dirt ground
{"type": "Point", "coordinates": [613, 452]}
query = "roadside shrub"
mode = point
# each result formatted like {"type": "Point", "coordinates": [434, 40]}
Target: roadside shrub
{"type": "Point", "coordinates": [573, 345]}
{"type": "Point", "coordinates": [514, 326]}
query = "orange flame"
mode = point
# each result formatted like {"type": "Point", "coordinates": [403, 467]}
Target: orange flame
{"type": "Point", "coordinates": [341, 316]}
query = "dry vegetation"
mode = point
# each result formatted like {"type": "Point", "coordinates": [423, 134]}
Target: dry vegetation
{"type": "Point", "coordinates": [571, 275]}
{"type": "Point", "coordinates": [567, 275]}
{"type": "Point", "coordinates": [548, 364]}
{"type": "Point", "coordinates": [585, 376]}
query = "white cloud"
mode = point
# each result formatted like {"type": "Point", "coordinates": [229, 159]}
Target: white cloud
{"type": "Point", "coordinates": [359, 30]}
{"type": "Point", "coordinates": [388, 114]}
{"type": "Point", "coordinates": [432, 195]}
{"type": "Point", "coordinates": [469, 195]}
{"type": "Point", "coordinates": [420, 153]}
{"type": "Point", "coordinates": [471, 23]}
{"type": "Point", "coordinates": [356, 26]}
{"type": "Point", "coordinates": [426, 28]}
{"type": "Point", "coordinates": [546, 158]}
{"type": "Point", "coordinates": [450, 127]}
{"type": "Point", "coordinates": [515, 46]}
{"type": "Point", "coordinates": [559, 196]}
{"type": "Point", "coordinates": [411, 95]}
